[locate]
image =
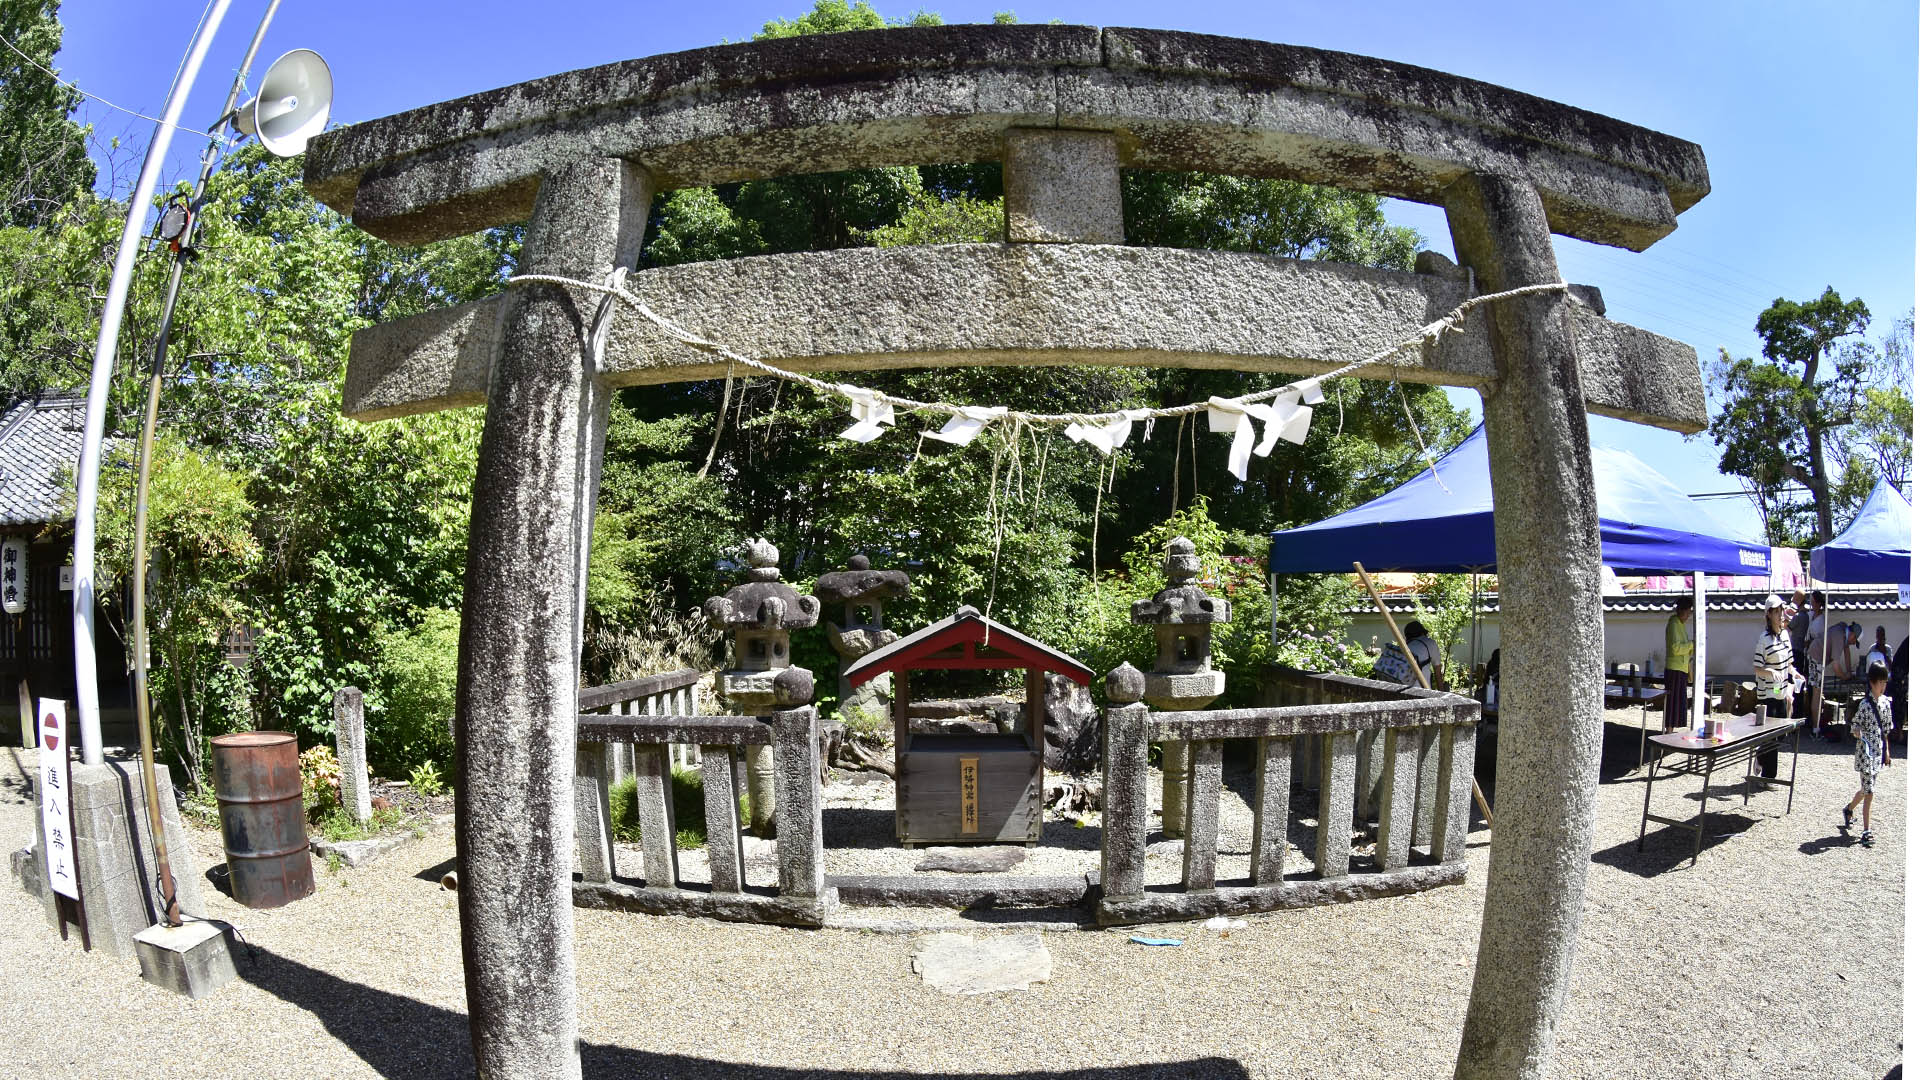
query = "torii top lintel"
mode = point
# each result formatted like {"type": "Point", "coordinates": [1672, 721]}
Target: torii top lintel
{"type": "Point", "coordinates": [1064, 109]}
{"type": "Point", "coordinates": [927, 95]}
{"type": "Point", "coordinates": [966, 641]}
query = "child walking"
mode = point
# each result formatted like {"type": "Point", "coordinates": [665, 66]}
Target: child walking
{"type": "Point", "coordinates": [1872, 720]}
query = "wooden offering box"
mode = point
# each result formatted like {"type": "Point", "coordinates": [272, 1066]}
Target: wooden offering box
{"type": "Point", "coordinates": [968, 788]}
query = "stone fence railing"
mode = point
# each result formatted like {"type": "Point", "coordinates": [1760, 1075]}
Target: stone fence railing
{"type": "Point", "coordinates": [674, 693]}
{"type": "Point", "coordinates": [645, 742]}
{"type": "Point", "coordinates": [1361, 744]}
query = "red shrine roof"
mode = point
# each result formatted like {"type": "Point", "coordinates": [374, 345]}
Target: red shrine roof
{"type": "Point", "coordinates": [968, 641]}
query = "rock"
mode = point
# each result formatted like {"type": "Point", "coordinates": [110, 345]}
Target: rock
{"type": "Point", "coordinates": [987, 860]}
{"type": "Point", "coordinates": [962, 964]}
{"type": "Point", "coordinates": [1072, 727]}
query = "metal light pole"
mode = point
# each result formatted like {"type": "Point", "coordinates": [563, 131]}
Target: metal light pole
{"type": "Point", "coordinates": [87, 501]}
{"type": "Point", "coordinates": [209, 157]}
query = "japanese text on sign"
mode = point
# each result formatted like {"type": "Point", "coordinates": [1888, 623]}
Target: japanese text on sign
{"type": "Point", "coordinates": [969, 794]}
{"type": "Point", "coordinates": [56, 810]}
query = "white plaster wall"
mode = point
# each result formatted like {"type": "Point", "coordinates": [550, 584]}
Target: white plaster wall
{"type": "Point", "coordinates": [1637, 636]}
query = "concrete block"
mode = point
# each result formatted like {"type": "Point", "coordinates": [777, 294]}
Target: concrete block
{"type": "Point", "coordinates": [195, 959]}
{"type": "Point", "coordinates": [1062, 187]}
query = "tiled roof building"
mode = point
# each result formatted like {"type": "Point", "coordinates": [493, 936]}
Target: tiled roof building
{"type": "Point", "coordinates": [39, 444]}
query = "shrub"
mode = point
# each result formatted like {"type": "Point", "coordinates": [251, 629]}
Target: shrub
{"type": "Point", "coordinates": [689, 809]}
{"type": "Point", "coordinates": [419, 669]}
{"type": "Point", "coordinates": [320, 780]}
{"type": "Point", "coordinates": [426, 779]}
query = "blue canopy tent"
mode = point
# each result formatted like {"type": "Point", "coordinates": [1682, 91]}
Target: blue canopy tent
{"type": "Point", "coordinates": [1443, 524]}
{"type": "Point", "coordinates": [1877, 549]}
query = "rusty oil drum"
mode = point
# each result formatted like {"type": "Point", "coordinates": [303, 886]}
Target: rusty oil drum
{"type": "Point", "coordinates": [263, 821]}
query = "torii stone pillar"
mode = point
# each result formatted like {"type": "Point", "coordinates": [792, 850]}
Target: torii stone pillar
{"type": "Point", "coordinates": [1547, 539]}
{"type": "Point", "coordinates": [518, 696]}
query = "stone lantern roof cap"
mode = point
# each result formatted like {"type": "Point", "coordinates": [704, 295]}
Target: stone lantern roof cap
{"type": "Point", "coordinates": [763, 601]}
{"type": "Point", "coordinates": [1181, 602]}
{"type": "Point", "coordinates": [859, 583]}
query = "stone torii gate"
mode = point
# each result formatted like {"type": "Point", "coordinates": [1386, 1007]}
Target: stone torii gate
{"type": "Point", "coordinates": [580, 156]}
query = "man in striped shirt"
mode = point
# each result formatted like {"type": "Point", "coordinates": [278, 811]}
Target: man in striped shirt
{"type": "Point", "coordinates": [1774, 675]}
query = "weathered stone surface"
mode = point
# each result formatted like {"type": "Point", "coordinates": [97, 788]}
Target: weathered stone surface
{"type": "Point", "coordinates": [935, 94]}
{"type": "Point", "coordinates": [751, 907]}
{"type": "Point", "coordinates": [721, 797]}
{"type": "Point", "coordinates": [516, 700]}
{"type": "Point", "coordinates": [194, 959]}
{"type": "Point", "coordinates": [1334, 835]}
{"type": "Point", "coordinates": [1012, 890]}
{"type": "Point", "coordinates": [592, 815]}
{"type": "Point", "coordinates": [1168, 906]}
{"type": "Point", "coordinates": [637, 691]}
{"type": "Point", "coordinates": [1062, 187]}
{"type": "Point", "coordinates": [1203, 817]}
{"type": "Point", "coordinates": [1190, 691]}
{"type": "Point", "coordinates": [1123, 830]}
{"type": "Point", "coordinates": [1547, 539]}
{"type": "Point", "coordinates": [358, 852]}
{"type": "Point", "coordinates": [962, 964]}
{"type": "Point", "coordinates": [350, 746]}
{"type": "Point", "coordinates": [1071, 728]}
{"type": "Point", "coordinates": [1048, 304]}
{"type": "Point", "coordinates": [113, 855]}
{"type": "Point", "coordinates": [796, 753]}
{"type": "Point", "coordinates": [659, 730]}
{"type": "Point", "coordinates": [979, 860]}
{"type": "Point", "coordinates": [1399, 781]}
{"type": "Point", "coordinates": [1272, 782]}
{"type": "Point", "coordinates": [1455, 751]}
{"type": "Point", "coordinates": [653, 798]}
{"type": "Point", "coordinates": [1125, 684]}
{"type": "Point", "coordinates": [860, 584]}
{"type": "Point", "coordinates": [1349, 716]}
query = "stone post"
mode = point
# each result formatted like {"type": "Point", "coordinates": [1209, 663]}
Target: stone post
{"type": "Point", "coordinates": [1123, 834]}
{"type": "Point", "coordinates": [520, 629]}
{"type": "Point", "coordinates": [350, 745]}
{"type": "Point", "coordinates": [1547, 540]}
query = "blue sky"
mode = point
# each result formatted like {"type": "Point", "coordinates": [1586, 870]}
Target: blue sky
{"type": "Point", "coordinates": [1806, 112]}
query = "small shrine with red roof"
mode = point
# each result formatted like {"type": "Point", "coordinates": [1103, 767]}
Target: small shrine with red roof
{"type": "Point", "coordinates": [956, 788]}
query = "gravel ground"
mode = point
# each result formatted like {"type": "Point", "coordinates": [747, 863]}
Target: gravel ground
{"type": "Point", "coordinates": [1779, 954]}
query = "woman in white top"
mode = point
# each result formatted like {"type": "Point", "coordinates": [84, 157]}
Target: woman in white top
{"type": "Point", "coordinates": [1774, 675]}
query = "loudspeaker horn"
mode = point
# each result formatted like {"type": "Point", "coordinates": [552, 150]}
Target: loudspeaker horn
{"type": "Point", "coordinates": [296, 96]}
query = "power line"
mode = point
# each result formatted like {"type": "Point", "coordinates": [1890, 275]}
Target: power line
{"type": "Point", "coordinates": [96, 97]}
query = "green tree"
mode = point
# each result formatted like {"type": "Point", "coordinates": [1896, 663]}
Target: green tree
{"type": "Point", "coordinates": [43, 153]}
{"type": "Point", "coordinates": [1780, 414]}
{"type": "Point", "coordinates": [202, 553]}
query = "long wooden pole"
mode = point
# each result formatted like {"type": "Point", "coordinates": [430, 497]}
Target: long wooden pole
{"type": "Point", "coordinates": [1485, 810]}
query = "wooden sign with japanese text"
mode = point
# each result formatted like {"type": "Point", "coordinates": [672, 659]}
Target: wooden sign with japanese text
{"type": "Point", "coordinates": [969, 794]}
{"type": "Point", "coordinates": [56, 803]}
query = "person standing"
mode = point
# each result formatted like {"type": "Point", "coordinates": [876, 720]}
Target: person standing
{"type": "Point", "coordinates": [1872, 723]}
{"type": "Point", "coordinates": [1675, 712]}
{"type": "Point", "coordinates": [1841, 640]}
{"type": "Point", "coordinates": [1774, 675]}
{"type": "Point", "coordinates": [1799, 629]}
{"type": "Point", "coordinates": [1880, 652]}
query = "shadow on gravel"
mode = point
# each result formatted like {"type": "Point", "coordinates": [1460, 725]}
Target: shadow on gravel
{"type": "Point", "coordinates": [398, 1036]}
{"type": "Point", "coordinates": [1826, 844]}
{"type": "Point", "coordinates": [437, 871]}
{"type": "Point", "coordinates": [1671, 846]}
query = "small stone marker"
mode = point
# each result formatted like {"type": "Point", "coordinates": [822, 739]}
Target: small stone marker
{"type": "Point", "coordinates": [960, 964]}
{"type": "Point", "coordinates": [350, 745]}
{"type": "Point", "coordinates": [987, 860]}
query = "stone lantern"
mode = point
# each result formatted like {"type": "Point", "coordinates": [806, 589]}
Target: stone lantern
{"type": "Point", "coordinates": [1182, 676]}
{"type": "Point", "coordinates": [862, 593]}
{"type": "Point", "coordinates": [760, 615]}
